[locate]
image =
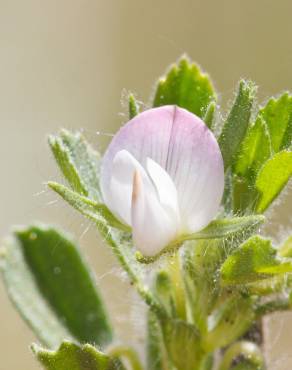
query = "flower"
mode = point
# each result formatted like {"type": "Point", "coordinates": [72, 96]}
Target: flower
{"type": "Point", "coordinates": [163, 175]}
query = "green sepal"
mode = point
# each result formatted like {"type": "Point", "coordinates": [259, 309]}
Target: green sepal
{"type": "Point", "coordinates": [227, 227]}
{"type": "Point", "coordinates": [70, 356]}
{"type": "Point", "coordinates": [236, 124]}
{"type": "Point", "coordinates": [254, 260]}
{"type": "Point", "coordinates": [217, 229]}
{"type": "Point", "coordinates": [272, 178]}
{"type": "Point", "coordinates": [53, 288]}
{"type": "Point", "coordinates": [97, 212]}
{"type": "Point", "coordinates": [186, 86]}
{"type": "Point", "coordinates": [78, 162]}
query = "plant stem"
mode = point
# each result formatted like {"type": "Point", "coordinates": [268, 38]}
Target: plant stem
{"type": "Point", "coordinates": [144, 292]}
{"type": "Point", "coordinates": [129, 354]}
{"type": "Point", "coordinates": [174, 268]}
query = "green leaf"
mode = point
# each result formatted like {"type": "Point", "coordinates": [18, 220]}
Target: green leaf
{"type": "Point", "coordinates": [254, 151]}
{"type": "Point", "coordinates": [271, 132]}
{"type": "Point", "coordinates": [27, 299]}
{"type": "Point", "coordinates": [53, 287]}
{"type": "Point", "coordinates": [187, 86]}
{"type": "Point", "coordinates": [272, 178]}
{"type": "Point", "coordinates": [118, 240]}
{"type": "Point", "coordinates": [97, 212]}
{"type": "Point", "coordinates": [71, 356]}
{"type": "Point", "coordinates": [210, 113]}
{"type": "Point", "coordinates": [237, 122]}
{"type": "Point", "coordinates": [78, 162]}
{"type": "Point", "coordinates": [133, 106]}
{"type": "Point", "coordinates": [277, 114]}
{"type": "Point", "coordinates": [254, 260]}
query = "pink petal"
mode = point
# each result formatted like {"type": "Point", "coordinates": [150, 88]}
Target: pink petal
{"type": "Point", "coordinates": [181, 144]}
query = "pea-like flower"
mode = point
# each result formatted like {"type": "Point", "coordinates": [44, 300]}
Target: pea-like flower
{"type": "Point", "coordinates": [163, 175]}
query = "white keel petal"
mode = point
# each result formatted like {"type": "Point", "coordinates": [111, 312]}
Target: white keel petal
{"type": "Point", "coordinates": [153, 227]}
{"type": "Point", "coordinates": [118, 195]}
{"type": "Point", "coordinates": [165, 187]}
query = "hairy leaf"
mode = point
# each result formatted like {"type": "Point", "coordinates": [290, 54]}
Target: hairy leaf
{"type": "Point", "coordinates": [78, 162]}
{"type": "Point", "coordinates": [119, 241]}
{"type": "Point", "coordinates": [237, 122]}
{"type": "Point", "coordinates": [71, 356]}
{"type": "Point", "coordinates": [97, 212]}
{"type": "Point", "coordinates": [270, 134]}
{"type": "Point", "coordinates": [272, 178]}
{"type": "Point", "coordinates": [254, 260]}
{"type": "Point", "coordinates": [187, 86]}
{"type": "Point", "coordinates": [53, 287]}
{"type": "Point", "coordinates": [24, 293]}
{"type": "Point", "coordinates": [255, 150]}
{"type": "Point", "coordinates": [277, 115]}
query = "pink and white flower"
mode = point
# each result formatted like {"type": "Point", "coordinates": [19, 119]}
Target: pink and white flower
{"type": "Point", "coordinates": [163, 175]}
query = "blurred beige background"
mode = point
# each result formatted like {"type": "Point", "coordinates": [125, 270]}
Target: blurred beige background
{"type": "Point", "coordinates": [66, 62]}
